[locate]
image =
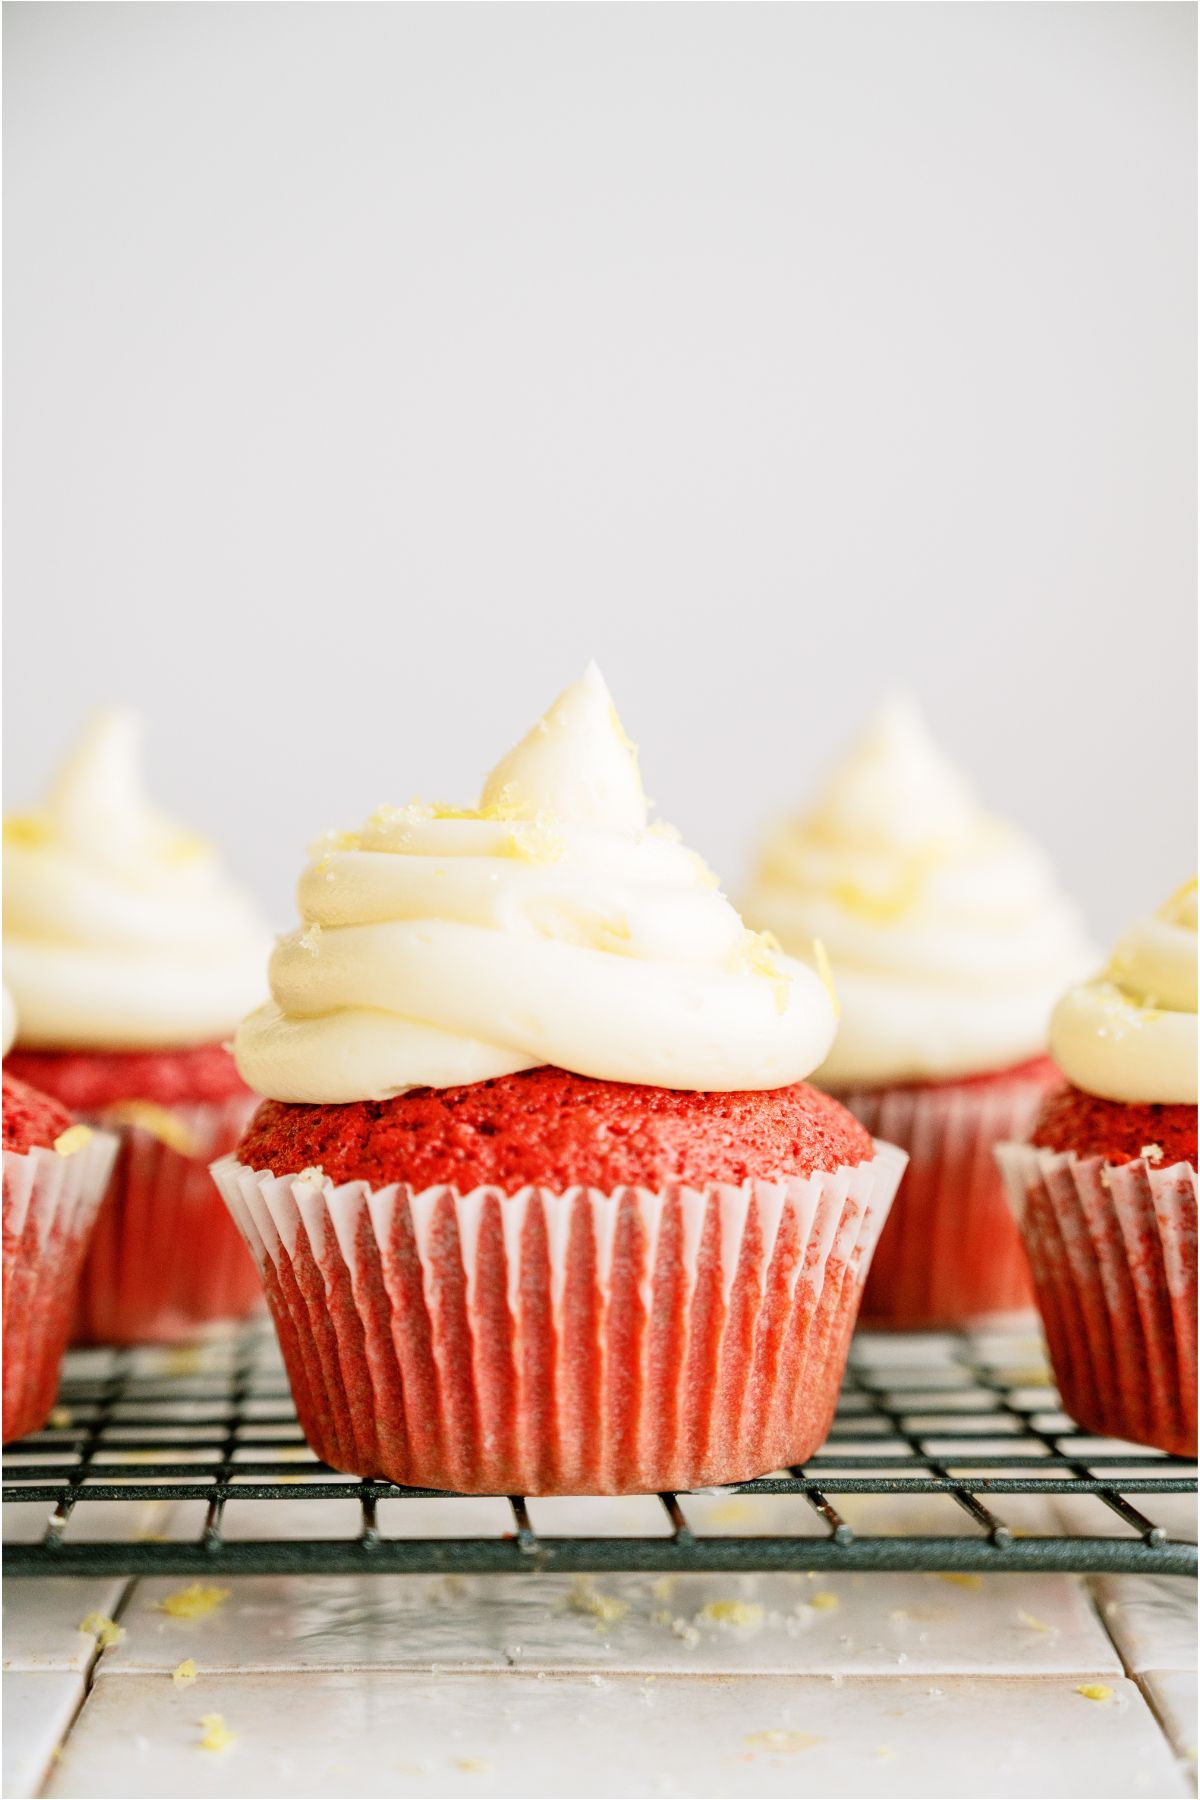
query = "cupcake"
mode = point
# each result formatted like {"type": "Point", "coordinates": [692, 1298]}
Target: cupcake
{"type": "Point", "coordinates": [541, 1200]}
{"type": "Point", "coordinates": [55, 1173]}
{"type": "Point", "coordinates": [130, 959]}
{"type": "Point", "coordinates": [1105, 1189]}
{"type": "Point", "coordinates": [949, 942]}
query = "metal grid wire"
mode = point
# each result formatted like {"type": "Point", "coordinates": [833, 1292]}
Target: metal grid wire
{"type": "Point", "coordinates": [971, 1419]}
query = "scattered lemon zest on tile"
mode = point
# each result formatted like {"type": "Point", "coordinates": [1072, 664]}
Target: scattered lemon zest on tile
{"type": "Point", "coordinates": [195, 1602]}
{"type": "Point", "coordinates": [185, 1674]}
{"type": "Point", "coordinates": [782, 1743]}
{"type": "Point", "coordinates": [884, 1752]}
{"type": "Point", "coordinates": [216, 1736]}
{"type": "Point", "coordinates": [1032, 1622]}
{"type": "Point", "coordinates": [473, 1765]}
{"type": "Point", "coordinates": [186, 1361]}
{"type": "Point", "coordinates": [734, 1615]}
{"type": "Point", "coordinates": [106, 1631]}
{"type": "Point", "coordinates": [663, 1587]}
{"type": "Point", "coordinates": [959, 1580]}
{"type": "Point", "coordinates": [157, 1122]}
{"type": "Point", "coordinates": [61, 1417]}
{"type": "Point", "coordinates": [736, 1511]}
{"type": "Point", "coordinates": [606, 1609]}
{"type": "Point", "coordinates": [824, 1602]}
{"type": "Point", "coordinates": [74, 1138]}
{"type": "Point", "coordinates": [1095, 1690]}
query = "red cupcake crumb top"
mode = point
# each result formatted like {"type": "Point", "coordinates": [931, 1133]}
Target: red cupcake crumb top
{"type": "Point", "coordinates": [30, 1118]}
{"type": "Point", "coordinates": [90, 1080]}
{"type": "Point", "coordinates": [548, 1128]}
{"type": "Point", "coordinates": [1072, 1120]}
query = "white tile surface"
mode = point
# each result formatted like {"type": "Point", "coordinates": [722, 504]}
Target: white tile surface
{"type": "Point", "coordinates": [38, 1708]}
{"type": "Point", "coordinates": [1152, 1620]}
{"type": "Point", "coordinates": [91, 1521]}
{"type": "Point", "coordinates": [362, 1734]}
{"type": "Point", "coordinates": [749, 1624]}
{"type": "Point", "coordinates": [42, 1619]}
{"type": "Point", "coordinates": [1172, 1694]}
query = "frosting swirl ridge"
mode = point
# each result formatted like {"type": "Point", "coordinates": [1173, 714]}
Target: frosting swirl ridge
{"type": "Point", "coordinates": [946, 931]}
{"type": "Point", "coordinates": [550, 925]}
{"type": "Point", "coordinates": [120, 930]}
{"type": "Point", "coordinates": [1129, 1034]}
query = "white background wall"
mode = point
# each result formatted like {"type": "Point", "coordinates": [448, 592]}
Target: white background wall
{"type": "Point", "coordinates": [368, 368]}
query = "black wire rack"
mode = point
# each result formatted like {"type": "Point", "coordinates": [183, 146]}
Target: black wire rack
{"type": "Point", "coordinates": [971, 1420]}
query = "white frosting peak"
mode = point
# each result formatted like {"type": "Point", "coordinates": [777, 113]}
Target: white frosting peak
{"type": "Point", "coordinates": [895, 789]}
{"type": "Point", "coordinates": [576, 765]}
{"type": "Point", "coordinates": [1129, 1034]}
{"type": "Point", "coordinates": [120, 930]}
{"type": "Point", "coordinates": [440, 947]}
{"type": "Point", "coordinates": [946, 932]}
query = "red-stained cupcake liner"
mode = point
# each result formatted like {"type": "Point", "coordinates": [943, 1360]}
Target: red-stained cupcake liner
{"type": "Point", "coordinates": [950, 1251]}
{"type": "Point", "coordinates": [581, 1342]}
{"type": "Point", "coordinates": [166, 1258]}
{"type": "Point", "coordinates": [50, 1206]}
{"type": "Point", "coordinates": [1113, 1252]}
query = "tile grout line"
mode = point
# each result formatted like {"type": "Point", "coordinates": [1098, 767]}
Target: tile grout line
{"type": "Point", "coordinates": [87, 1682]}
{"type": "Point", "coordinates": [1134, 1675]}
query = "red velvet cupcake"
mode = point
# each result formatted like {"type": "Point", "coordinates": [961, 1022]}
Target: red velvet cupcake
{"type": "Point", "coordinates": [1105, 1189]}
{"type": "Point", "coordinates": [949, 942]}
{"type": "Point", "coordinates": [55, 1172]}
{"type": "Point", "coordinates": [130, 959]}
{"type": "Point", "coordinates": [541, 1201]}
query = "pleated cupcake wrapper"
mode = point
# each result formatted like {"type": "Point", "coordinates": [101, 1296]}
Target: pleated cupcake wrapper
{"type": "Point", "coordinates": [50, 1207]}
{"type": "Point", "coordinates": [950, 1251]}
{"type": "Point", "coordinates": [1113, 1252]}
{"type": "Point", "coordinates": [166, 1259]}
{"type": "Point", "coordinates": [576, 1342]}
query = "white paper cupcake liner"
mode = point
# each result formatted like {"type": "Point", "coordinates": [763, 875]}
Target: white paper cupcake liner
{"type": "Point", "coordinates": [1112, 1247]}
{"type": "Point", "coordinates": [575, 1342]}
{"type": "Point", "coordinates": [50, 1207]}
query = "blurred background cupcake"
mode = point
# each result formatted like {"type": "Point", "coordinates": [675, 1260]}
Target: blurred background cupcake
{"type": "Point", "coordinates": [540, 1197]}
{"type": "Point", "coordinates": [131, 959]}
{"type": "Point", "coordinates": [55, 1174]}
{"type": "Point", "coordinates": [949, 942]}
{"type": "Point", "coordinates": [1106, 1188]}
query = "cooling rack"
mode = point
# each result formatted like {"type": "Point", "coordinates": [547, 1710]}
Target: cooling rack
{"type": "Point", "coordinates": [966, 1427]}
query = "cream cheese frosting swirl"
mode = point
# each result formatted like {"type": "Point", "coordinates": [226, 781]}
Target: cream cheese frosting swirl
{"type": "Point", "coordinates": [1130, 1033]}
{"type": "Point", "coordinates": [120, 930]}
{"type": "Point", "coordinates": [551, 925]}
{"type": "Point", "coordinates": [946, 932]}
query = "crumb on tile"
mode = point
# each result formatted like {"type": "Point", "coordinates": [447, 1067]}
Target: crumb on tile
{"type": "Point", "coordinates": [194, 1602]}
{"type": "Point", "coordinates": [106, 1631]}
{"type": "Point", "coordinates": [214, 1733]}
{"type": "Point", "coordinates": [1095, 1690]}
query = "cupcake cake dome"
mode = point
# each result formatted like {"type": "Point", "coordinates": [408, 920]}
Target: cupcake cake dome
{"type": "Point", "coordinates": [949, 941]}
{"type": "Point", "coordinates": [131, 958]}
{"type": "Point", "coordinates": [540, 1198]}
{"type": "Point", "coordinates": [55, 1172]}
{"type": "Point", "coordinates": [1105, 1189]}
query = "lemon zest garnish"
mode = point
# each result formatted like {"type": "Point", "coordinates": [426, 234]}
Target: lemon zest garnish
{"type": "Point", "coordinates": [737, 1615]}
{"type": "Point", "coordinates": [27, 829]}
{"type": "Point", "coordinates": [825, 970]}
{"type": "Point", "coordinates": [194, 1602]}
{"type": "Point", "coordinates": [185, 1674]}
{"type": "Point", "coordinates": [215, 1737]}
{"type": "Point", "coordinates": [1095, 1690]}
{"type": "Point", "coordinates": [75, 1137]}
{"type": "Point", "coordinates": [606, 1609]}
{"type": "Point", "coordinates": [157, 1121]}
{"type": "Point", "coordinates": [962, 1581]}
{"type": "Point", "coordinates": [106, 1631]}
{"type": "Point", "coordinates": [782, 1743]}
